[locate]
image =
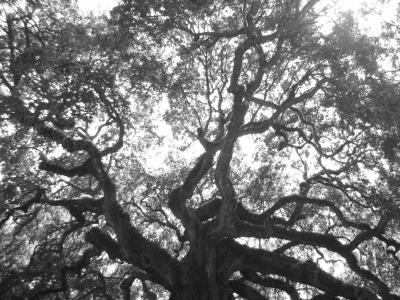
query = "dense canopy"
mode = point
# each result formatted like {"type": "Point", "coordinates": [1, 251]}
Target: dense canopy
{"type": "Point", "coordinates": [199, 149]}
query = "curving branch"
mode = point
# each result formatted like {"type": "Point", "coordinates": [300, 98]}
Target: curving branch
{"type": "Point", "coordinates": [265, 262]}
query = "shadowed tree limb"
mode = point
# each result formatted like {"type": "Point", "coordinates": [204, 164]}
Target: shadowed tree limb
{"type": "Point", "coordinates": [266, 262]}
{"type": "Point", "coordinates": [272, 283]}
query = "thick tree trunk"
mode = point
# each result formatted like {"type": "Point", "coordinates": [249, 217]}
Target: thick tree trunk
{"type": "Point", "coordinates": [201, 292]}
{"type": "Point", "coordinates": [194, 283]}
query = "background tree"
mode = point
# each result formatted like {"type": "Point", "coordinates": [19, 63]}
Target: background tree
{"type": "Point", "coordinates": [295, 188]}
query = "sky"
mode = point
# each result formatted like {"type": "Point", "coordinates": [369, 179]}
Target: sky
{"type": "Point", "coordinates": [370, 23]}
{"type": "Point", "coordinates": [350, 4]}
{"type": "Point", "coordinates": [105, 5]}
{"type": "Point", "coordinates": [96, 6]}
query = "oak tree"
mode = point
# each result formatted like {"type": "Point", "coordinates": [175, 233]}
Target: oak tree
{"type": "Point", "coordinates": [197, 149]}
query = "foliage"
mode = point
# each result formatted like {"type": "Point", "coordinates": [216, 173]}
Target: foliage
{"type": "Point", "coordinates": [197, 150]}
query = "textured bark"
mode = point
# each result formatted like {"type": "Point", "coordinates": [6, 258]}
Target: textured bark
{"type": "Point", "coordinates": [215, 266]}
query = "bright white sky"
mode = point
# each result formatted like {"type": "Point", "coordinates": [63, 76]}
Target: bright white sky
{"type": "Point", "coordinates": [350, 4]}
{"type": "Point", "coordinates": [378, 13]}
{"type": "Point", "coordinates": [105, 5]}
{"type": "Point", "coordinates": [370, 23]}
{"type": "Point", "coordinates": [96, 6]}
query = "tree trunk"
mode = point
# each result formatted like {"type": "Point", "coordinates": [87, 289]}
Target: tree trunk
{"type": "Point", "coordinates": [201, 292]}
{"type": "Point", "coordinates": [194, 284]}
